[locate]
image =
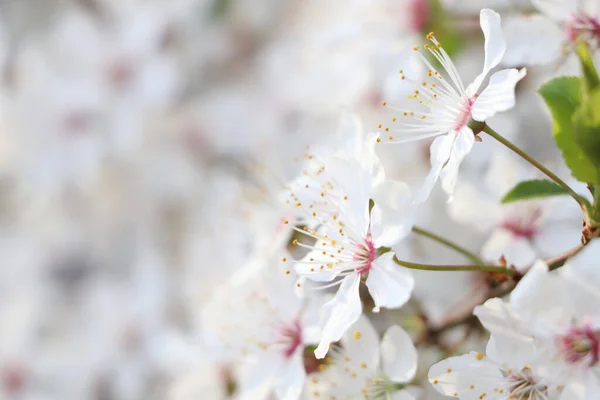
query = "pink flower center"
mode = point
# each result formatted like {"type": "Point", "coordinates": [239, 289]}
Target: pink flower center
{"type": "Point", "coordinates": [365, 255]}
{"type": "Point", "coordinates": [465, 114]}
{"type": "Point", "coordinates": [523, 222]}
{"type": "Point", "coordinates": [290, 336]}
{"type": "Point", "coordinates": [582, 26]}
{"type": "Point", "coordinates": [580, 345]}
{"type": "Point", "coordinates": [13, 379]}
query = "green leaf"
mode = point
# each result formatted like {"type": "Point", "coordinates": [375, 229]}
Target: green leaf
{"type": "Point", "coordinates": [591, 80]}
{"type": "Point", "coordinates": [563, 97]}
{"type": "Point", "coordinates": [586, 127]}
{"type": "Point", "coordinates": [533, 189]}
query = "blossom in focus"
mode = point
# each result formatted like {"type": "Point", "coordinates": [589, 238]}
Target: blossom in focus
{"type": "Point", "coordinates": [444, 106]}
{"type": "Point", "coordinates": [363, 366]}
{"type": "Point", "coordinates": [352, 240]}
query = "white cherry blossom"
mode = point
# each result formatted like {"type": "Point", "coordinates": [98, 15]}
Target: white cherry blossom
{"type": "Point", "coordinates": [363, 366]}
{"type": "Point", "coordinates": [445, 105]}
{"type": "Point", "coordinates": [351, 239]}
{"type": "Point", "coordinates": [522, 231]}
{"type": "Point", "coordinates": [558, 313]}
{"type": "Point", "coordinates": [544, 38]}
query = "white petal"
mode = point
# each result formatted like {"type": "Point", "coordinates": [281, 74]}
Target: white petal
{"type": "Point", "coordinates": [509, 350]}
{"type": "Point", "coordinates": [356, 182]}
{"type": "Point", "coordinates": [557, 237]}
{"type": "Point", "coordinates": [532, 40]}
{"type": "Point", "coordinates": [389, 284]}
{"type": "Point", "coordinates": [398, 355]}
{"type": "Point", "coordinates": [499, 95]}
{"type": "Point", "coordinates": [339, 313]}
{"type": "Point", "coordinates": [361, 344]}
{"type": "Point", "coordinates": [456, 376]}
{"type": "Point", "coordinates": [527, 293]}
{"type": "Point", "coordinates": [392, 214]}
{"type": "Point", "coordinates": [465, 139]}
{"type": "Point", "coordinates": [495, 46]}
{"type": "Point", "coordinates": [401, 395]}
{"type": "Point", "coordinates": [290, 379]}
{"type": "Point", "coordinates": [556, 9]}
{"type": "Point", "coordinates": [257, 377]}
{"type": "Point", "coordinates": [440, 153]}
{"type": "Point", "coordinates": [470, 206]}
{"type": "Point", "coordinates": [517, 250]}
{"type": "Point", "coordinates": [500, 319]}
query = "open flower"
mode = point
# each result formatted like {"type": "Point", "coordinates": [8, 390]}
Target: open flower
{"type": "Point", "coordinates": [558, 314]}
{"type": "Point", "coordinates": [261, 323]}
{"type": "Point", "coordinates": [364, 367]}
{"type": "Point", "coordinates": [444, 106]}
{"type": "Point", "coordinates": [520, 232]}
{"type": "Point", "coordinates": [352, 241]}
{"type": "Point", "coordinates": [543, 38]}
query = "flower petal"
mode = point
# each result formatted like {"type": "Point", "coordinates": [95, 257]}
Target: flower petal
{"type": "Point", "coordinates": [339, 313]}
{"type": "Point", "coordinates": [465, 139]}
{"type": "Point", "coordinates": [290, 379]}
{"type": "Point", "coordinates": [532, 40]}
{"type": "Point", "coordinates": [517, 250]}
{"type": "Point", "coordinates": [471, 206]}
{"type": "Point", "coordinates": [495, 46]}
{"type": "Point", "coordinates": [398, 355]}
{"type": "Point", "coordinates": [389, 284]}
{"type": "Point", "coordinates": [499, 95]}
{"type": "Point", "coordinates": [457, 376]}
{"type": "Point", "coordinates": [440, 153]}
{"type": "Point", "coordinates": [556, 9]}
{"type": "Point", "coordinates": [391, 216]}
{"type": "Point", "coordinates": [361, 344]}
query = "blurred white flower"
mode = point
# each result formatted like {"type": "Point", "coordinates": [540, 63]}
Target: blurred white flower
{"type": "Point", "coordinates": [446, 107]}
{"type": "Point", "coordinates": [520, 232]}
{"type": "Point", "coordinates": [558, 26]}
{"type": "Point", "coordinates": [265, 327]}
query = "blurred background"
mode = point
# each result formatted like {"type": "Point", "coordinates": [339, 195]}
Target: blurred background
{"type": "Point", "coordinates": [142, 147]}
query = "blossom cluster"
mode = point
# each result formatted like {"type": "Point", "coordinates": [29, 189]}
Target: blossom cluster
{"type": "Point", "coordinates": [301, 199]}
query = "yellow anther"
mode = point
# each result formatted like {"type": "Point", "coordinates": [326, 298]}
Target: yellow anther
{"type": "Point", "coordinates": [380, 126]}
{"type": "Point", "coordinates": [394, 119]}
{"type": "Point", "coordinates": [416, 48]}
{"type": "Point", "coordinates": [356, 335]}
{"type": "Point", "coordinates": [284, 259]}
{"type": "Point", "coordinates": [287, 272]}
{"type": "Point", "coordinates": [383, 103]}
{"type": "Point", "coordinates": [378, 140]}
{"type": "Point", "coordinates": [479, 356]}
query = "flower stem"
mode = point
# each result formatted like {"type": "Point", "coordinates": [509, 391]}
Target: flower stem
{"type": "Point", "coordinates": [449, 244]}
{"type": "Point", "coordinates": [472, 268]}
{"type": "Point", "coordinates": [533, 162]}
